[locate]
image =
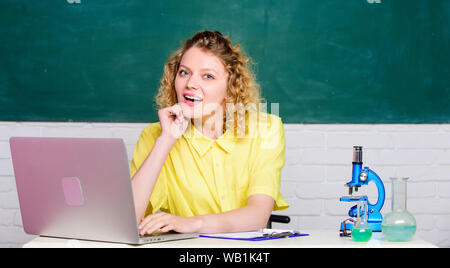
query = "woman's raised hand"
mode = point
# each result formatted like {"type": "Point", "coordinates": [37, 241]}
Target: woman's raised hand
{"type": "Point", "coordinates": [173, 121]}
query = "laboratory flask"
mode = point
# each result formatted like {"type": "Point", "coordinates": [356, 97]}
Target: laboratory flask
{"type": "Point", "coordinates": [361, 232]}
{"type": "Point", "coordinates": [399, 225]}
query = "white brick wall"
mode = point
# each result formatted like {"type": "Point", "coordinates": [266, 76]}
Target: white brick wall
{"type": "Point", "coordinates": [318, 165]}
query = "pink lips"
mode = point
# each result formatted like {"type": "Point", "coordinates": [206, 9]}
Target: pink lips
{"type": "Point", "coordinates": [192, 99]}
{"type": "Point", "coordinates": [190, 103]}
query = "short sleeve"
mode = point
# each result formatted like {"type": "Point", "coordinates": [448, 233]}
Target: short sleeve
{"type": "Point", "coordinates": [268, 160]}
{"type": "Point", "coordinates": [142, 149]}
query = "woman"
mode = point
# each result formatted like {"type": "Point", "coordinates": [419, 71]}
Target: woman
{"type": "Point", "coordinates": [212, 163]}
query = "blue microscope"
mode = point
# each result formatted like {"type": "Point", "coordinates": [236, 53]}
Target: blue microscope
{"type": "Point", "coordinates": [362, 176]}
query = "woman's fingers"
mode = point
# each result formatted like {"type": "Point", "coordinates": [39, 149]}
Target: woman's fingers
{"type": "Point", "coordinates": [149, 218]}
{"type": "Point", "coordinates": [173, 121]}
{"type": "Point", "coordinates": [165, 222]}
{"type": "Point", "coordinates": [153, 226]}
{"type": "Point", "coordinates": [177, 111]}
{"type": "Point", "coordinates": [185, 110]}
{"type": "Point", "coordinates": [154, 222]}
{"type": "Point", "coordinates": [167, 228]}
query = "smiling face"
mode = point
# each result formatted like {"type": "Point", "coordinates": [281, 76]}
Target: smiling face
{"type": "Point", "coordinates": [201, 83]}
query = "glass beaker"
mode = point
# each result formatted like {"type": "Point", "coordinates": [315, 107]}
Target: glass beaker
{"type": "Point", "coordinates": [398, 225]}
{"type": "Point", "coordinates": [361, 232]}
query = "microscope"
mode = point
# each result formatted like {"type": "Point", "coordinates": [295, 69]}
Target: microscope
{"type": "Point", "coordinates": [360, 177]}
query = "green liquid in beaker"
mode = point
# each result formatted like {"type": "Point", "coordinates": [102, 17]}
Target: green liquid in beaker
{"type": "Point", "coordinates": [361, 234]}
{"type": "Point", "coordinates": [398, 233]}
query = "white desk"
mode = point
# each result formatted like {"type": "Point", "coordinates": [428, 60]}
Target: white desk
{"type": "Point", "coordinates": [316, 239]}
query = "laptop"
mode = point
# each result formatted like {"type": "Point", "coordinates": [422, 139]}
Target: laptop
{"type": "Point", "coordinates": [78, 188]}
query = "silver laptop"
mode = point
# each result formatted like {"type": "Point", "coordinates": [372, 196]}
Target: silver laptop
{"type": "Point", "coordinates": [78, 188]}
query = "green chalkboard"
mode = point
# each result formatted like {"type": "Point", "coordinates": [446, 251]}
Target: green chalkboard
{"type": "Point", "coordinates": [327, 61]}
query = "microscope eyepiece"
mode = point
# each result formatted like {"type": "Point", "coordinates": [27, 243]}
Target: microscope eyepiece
{"type": "Point", "coordinates": [357, 154]}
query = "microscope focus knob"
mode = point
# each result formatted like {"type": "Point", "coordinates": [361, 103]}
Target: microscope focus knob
{"type": "Point", "coordinates": [363, 176]}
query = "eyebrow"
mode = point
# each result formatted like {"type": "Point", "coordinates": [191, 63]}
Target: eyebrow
{"type": "Point", "coordinates": [204, 69]}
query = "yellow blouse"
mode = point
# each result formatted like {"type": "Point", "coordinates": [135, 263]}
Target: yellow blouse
{"type": "Point", "coordinates": [204, 176]}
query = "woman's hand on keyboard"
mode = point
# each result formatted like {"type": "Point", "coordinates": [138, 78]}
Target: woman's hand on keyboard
{"type": "Point", "coordinates": [165, 222]}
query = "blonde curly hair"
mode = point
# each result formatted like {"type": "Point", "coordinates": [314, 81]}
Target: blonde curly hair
{"type": "Point", "coordinates": [242, 87]}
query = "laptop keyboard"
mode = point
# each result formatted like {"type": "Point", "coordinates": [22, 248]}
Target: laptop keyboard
{"type": "Point", "coordinates": [157, 234]}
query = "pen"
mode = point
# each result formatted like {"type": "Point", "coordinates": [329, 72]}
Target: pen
{"type": "Point", "coordinates": [280, 234]}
